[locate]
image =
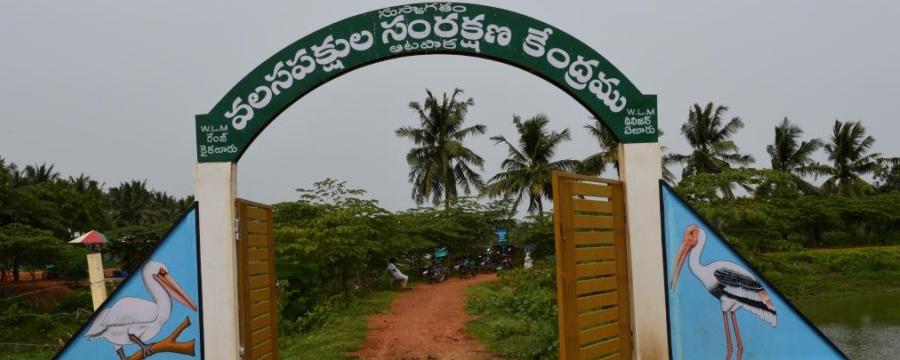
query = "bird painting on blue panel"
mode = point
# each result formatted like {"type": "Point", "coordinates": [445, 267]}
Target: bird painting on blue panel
{"type": "Point", "coordinates": [155, 313]}
{"type": "Point", "coordinates": [719, 306]}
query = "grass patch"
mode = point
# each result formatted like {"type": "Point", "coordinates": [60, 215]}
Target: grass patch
{"type": "Point", "coordinates": [333, 330]}
{"type": "Point", "coordinates": [30, 329]}
{"type": "Point", "coordinates": [832, 272]}
{"type": "Point", "coordinates": [516, 315]}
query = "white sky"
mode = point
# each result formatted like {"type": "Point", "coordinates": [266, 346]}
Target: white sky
{"type": "Point", "coordinates": [111, 89]}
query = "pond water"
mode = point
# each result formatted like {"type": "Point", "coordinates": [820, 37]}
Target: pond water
{"type": "Point", "coordinates": [863, 326]}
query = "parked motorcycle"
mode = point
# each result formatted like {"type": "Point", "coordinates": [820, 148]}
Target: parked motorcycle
{"type": "Point", "coordinates": [465, 267]}
{"type": "Point", "coordinates": [485, 264]}
{"type": "Point", "coordinates": [435, 272]}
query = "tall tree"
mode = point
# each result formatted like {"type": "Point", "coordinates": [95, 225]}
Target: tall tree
{"type": "Point", "coordinates": [528, 167]}
{"type": "Point", "coordinates": [788, 153]}
{"type": "Point", "coordinates": [888, 177]}
{"type": "Point", "coordinates": [440, 163]}
{"type": "Point", "coordinates": [596, 163]}
{"type": "Point", "coordinates": [84, 204]}
{"type": "Point", "coordinates": [6, 185]}
{"type": "Point", "coordinates": [132, 203]}
{"type": "Point", "coordinates": [710, 135]}
{"type": "Point", "coordinates": [848, 151]}
{"type": "Point", "coordinates": [37, 174]}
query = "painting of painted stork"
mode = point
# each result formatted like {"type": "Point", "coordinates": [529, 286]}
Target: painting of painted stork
{"type": "Point", "coordinates": [718, 305]}
{"type": "Point", "coordinates": [734, 287]}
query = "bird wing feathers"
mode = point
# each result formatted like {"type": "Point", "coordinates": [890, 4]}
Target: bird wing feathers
{"type": "Point", "coordinates": [97, 327]}
{"type": "Point", "coordinates": [739, 284]}
{"type": "Point", "coordinates": [127, 311]}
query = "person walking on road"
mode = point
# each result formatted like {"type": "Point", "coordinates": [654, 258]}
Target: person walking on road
{"type": "Point", "coordinates": [396, 274]}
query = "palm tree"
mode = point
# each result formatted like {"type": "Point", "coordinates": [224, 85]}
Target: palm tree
{"type": "Point", "coordinates": [439, 162]}
{"type": "Point", "coordinates": [595, 164]}
{"type": "Point", "coordinates": [789, 156]}
{"type": "Point", "coordinates": [36, 174]}
{"type": "Point", "coordinates": [710, 137]}
{"type": "Point", "coordinates": [132, 203]}
{"type": "Point", "coordinates": [847, 152]}
{"type": "Point", "coordinates": [528, 167]}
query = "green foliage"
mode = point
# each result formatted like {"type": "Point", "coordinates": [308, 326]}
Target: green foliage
{"type": "Point", "coordinates": [516, 316]}
{"type": "Point", "coordinates": [527, 170]}
{"type": "Point", "coordinates": [22, 246]}
{"type": "Point", "coordinates": [832, 271]}
{"type": "Point", "coordinates": [44, 329]}
{"type": "Point", "coordinates": [131, 243]}
{"type": "Point", "coordinates": [466, 227]}
{"type": "Point", "coordinates": [332, 242]}
{"type": "Point", "coordinates": [710, 135]}
{"type": "Point", "coordinates": [848, 150]}
{"type": "Point", "coordinates": [788, 153]}
{"type": "Point", "coordinates": [888, 176]}
{"type": "Point", "coordinates": [333, 329]}
{"type": "Point", "coordinates": [781, 217]}
{"type": "Point", "coordinates": [440, 162]}
{"type": "Point", "coordinates": [39, 211]}
{"type": "Point", "coordinates": [535, 231]}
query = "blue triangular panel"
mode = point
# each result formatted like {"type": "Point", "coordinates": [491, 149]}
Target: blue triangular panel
{"type": "Point", "coordinates": [161, 298]}
{"type": "Point", "coordinates": [714, 285]}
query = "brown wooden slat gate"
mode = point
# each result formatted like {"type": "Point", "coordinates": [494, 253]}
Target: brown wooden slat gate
{"type": "Point", "coordinates": [591, 268]}
{"type": "Point", "coordinates": [256, 281]}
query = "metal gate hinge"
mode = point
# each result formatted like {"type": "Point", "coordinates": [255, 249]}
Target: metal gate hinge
{"type": "Point", "coordinates": [237, 229]}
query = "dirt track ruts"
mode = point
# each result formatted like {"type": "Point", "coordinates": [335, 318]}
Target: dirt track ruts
{"type": "Point", "coordinates": [426, 323]}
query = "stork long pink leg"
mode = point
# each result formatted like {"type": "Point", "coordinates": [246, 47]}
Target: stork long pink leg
{"type": "Point", "coordinates": [737, 335]}
{"type": "Point", "coordinates": [727, 335]}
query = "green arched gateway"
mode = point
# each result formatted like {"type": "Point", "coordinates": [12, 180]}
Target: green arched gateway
{"type": "Point", "coordinates": [421, 29]}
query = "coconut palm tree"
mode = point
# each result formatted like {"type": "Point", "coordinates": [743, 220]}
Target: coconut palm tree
{"type": "Point", "coordinates": [710, 137]}
{"type": "Point", "coordinates": [36, 174]}
{"type": "Point", "coordinates": [528, 167]}
{"type": "Point", "coordinates": [848, 152]}
{"type": "Point", "coordinates": [132, 203]}
{"type": "Point", "coordinates": [596, 164]}
{"type": "Point", "coordinates": [790, 155]}
{"type": "Point", "coordinates": [439, 163]}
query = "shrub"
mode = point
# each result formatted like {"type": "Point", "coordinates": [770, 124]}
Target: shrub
{"type": "Point", "coordinates": [516, 315]}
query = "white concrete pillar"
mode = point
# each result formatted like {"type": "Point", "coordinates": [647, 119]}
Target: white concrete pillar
{"type": "Point", "coordinates": [640, 170]}
{"type": "Point", "coordinates": [96, 278]}
{"type": "Point", "coordinates": [215, 188]}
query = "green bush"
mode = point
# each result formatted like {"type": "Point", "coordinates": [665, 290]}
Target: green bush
{"type": "Point", "coordinates": [831, 271]}
{"type": "Point", "coordinates": [516, 315]}
{"type": "Point", "coordinates": [23, 322]}
{"type": "Point", "coordinates": [333, 329]}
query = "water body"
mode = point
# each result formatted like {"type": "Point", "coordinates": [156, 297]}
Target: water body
{"type": "Point", "coordinates": [863, 326]}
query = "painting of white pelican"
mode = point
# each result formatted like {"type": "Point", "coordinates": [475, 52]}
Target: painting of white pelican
{"type": "Point", "coordinates": [722, 307]}
{"type": "Point", "coordinates": [155, 313]}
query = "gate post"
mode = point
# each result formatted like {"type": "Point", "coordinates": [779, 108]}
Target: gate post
{"type": "Point", "coordinates": [215, 190]}
{"type": "Point", "coordinates": [640, 167]}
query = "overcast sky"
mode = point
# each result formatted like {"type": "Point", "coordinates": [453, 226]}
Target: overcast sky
{"type": "Point", "coordinates": [111, 88]}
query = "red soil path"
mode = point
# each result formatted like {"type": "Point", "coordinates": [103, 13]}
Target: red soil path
{"type": "Point", "coordinates": [426, 323]}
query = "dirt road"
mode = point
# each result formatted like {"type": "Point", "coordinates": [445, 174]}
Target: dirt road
{"type": "Point", "coordinates": [426, 323]}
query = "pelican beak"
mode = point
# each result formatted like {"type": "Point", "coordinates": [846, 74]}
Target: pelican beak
{"type": "Point", "coordinates": [686, 245]}
{"type": "Point", "coordinates": [174, 290]}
